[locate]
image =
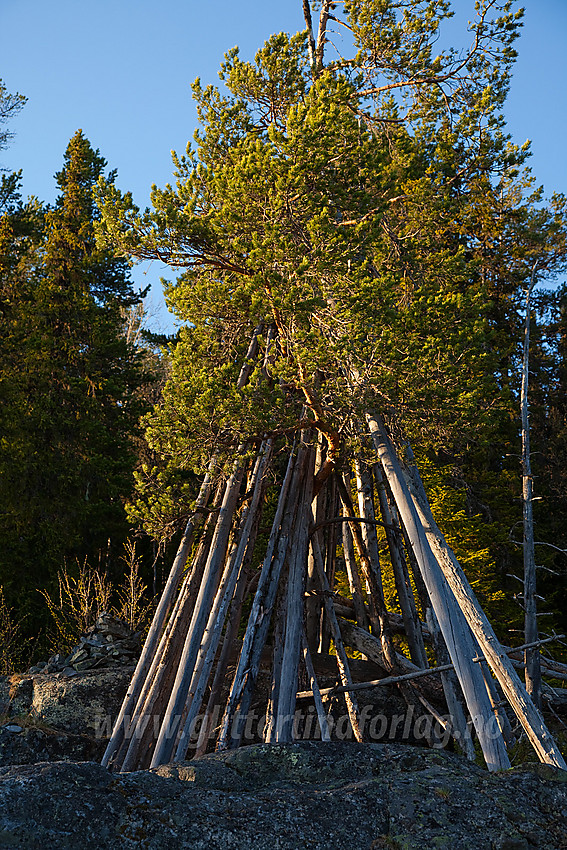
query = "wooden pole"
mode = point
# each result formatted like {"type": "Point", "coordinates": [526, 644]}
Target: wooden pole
{"type": "Point", "coordinates": [524, 708]}
{"type": "Point", "coordinates": [453, 625]}
{"type": "Point", "coordinates": [355, 585]}
{"type": "Point", "coordinates": [225, 593]}
{"type": "Point", "coordinates": [532, 659]}
{"type": "Point", "coordinates": [378, 612]}
{"type": "Point", "coordinates": [527, 713]}
{"type": "Point", "coordinates": [262, 606]}
{"type": "Point", "coordinates": [401, 575]}
{"type": "Point", "coordinates": [294, 609]}
{"type": "Point", "coordinates": [342, 660]}
{"type": "Point", "coordinates": [315, 691]}
{"type": "Point", "coordinates": [160, 616]}
{"type": "Point", "coordinates": [170, 725]}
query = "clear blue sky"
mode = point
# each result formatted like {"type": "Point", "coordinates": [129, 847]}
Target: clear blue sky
{"type": "Point", "coordinates": [121, 71]}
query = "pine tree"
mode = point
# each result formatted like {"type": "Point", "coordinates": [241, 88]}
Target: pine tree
{"type": "Point", "coordinates": [376, 213]}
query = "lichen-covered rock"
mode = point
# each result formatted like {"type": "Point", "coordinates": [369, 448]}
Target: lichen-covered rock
{"type": "Point", "coordinates": [85, 704]}
{"type": "Point", "coordinates": [82, 704]}
{"type": "Point", "coordinates": [304, 795]}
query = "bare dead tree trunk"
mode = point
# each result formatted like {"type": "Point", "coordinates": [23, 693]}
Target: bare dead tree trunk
{"type": "Point", "coordinates": [532, 656]}
{"type": "Point", "coordinates": [310, 38]}
{"type": "Point", "coordinates": [322, 34]}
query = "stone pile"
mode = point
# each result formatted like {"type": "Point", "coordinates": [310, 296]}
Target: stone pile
{"type": "Point", "coordinates": [108, 643]}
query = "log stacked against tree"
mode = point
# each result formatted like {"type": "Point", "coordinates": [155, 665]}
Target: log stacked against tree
{"type": "Point", "coordinates": [338, 220]}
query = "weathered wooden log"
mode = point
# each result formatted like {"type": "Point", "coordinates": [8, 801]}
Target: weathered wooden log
{"type": "Point", "coordinates": [313, 606]}
{"type": "Point", "coordinates": [342, 660]}
{"type": "Point", "coordinates": [526, 712]}
{"type": "Point", "coordinates": [365, 496]}
{"type": "Point", "coordinates": [378, 611]}
{"type": "Point", "coordinates": [315, 691]}
{"type": "Point", "coordinates": [329, 553]}
{"type": "Point", "coordinates": [453, 692]}
{"type": "Point", "coordinates": [372, 647]}
{"type": "Point", "coordinates": [270, 729]}
{"type": "Point", "coordinates": [170, 725]}
{"type": "Point", "coordinates": [155, 691]}
{"type": "Point", "coordinates": [263, 603]}
{"type": "Point", "coordinates": [219, 609]}
{"type": "Point", "coordinates": [294, 609]}
{"type": "Point", "coordinates": [453, 625]}
{"type": "Point", "coordinates": [355, 585]}
{"type": "Point", "coordinates": [401, 574]}
{"type": "Point", "coordinates": [160, 616]}
{"type": "Point", "coordinates": [377, 683]}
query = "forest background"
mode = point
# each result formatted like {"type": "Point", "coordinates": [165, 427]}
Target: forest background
{"type": "Point", "coordinates": [77, 373]}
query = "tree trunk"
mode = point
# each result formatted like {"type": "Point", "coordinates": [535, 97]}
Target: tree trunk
{"type": "Point", "coordinates": [532, 657]}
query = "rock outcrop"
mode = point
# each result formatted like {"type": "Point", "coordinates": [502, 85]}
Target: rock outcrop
{"type": "Point", "coordinates": [55, 794]}
{"type": "Point", "coordinates": [304, 795]}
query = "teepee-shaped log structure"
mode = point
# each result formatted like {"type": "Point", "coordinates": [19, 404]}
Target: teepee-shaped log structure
{"type": "Point", "coordinates": [189, 690]}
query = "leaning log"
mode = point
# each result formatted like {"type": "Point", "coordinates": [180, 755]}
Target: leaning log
{"type": "Point", "coordinates": [453, 625]}
{"type": "Point", "coordinates": [417, 506]}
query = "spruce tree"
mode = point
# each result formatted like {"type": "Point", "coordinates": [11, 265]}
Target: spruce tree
{"type": "Point", "coordinates": [68, 465]}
